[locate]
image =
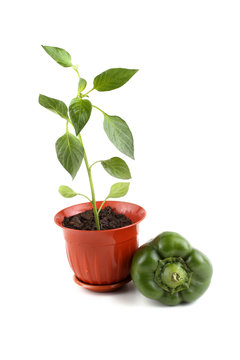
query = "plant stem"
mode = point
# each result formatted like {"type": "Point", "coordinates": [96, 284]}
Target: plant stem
{"type": "Point", "coordinates": [89, 170]}
{"type": "Point", "coordinates": [91, 186]}
{"type": "Point", "coordinates": [67, 126]}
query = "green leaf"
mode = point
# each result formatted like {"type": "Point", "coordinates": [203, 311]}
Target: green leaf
{"type": "Point", "coordinates": [81, 85]}
{"type": "Point", "coordinates": [119, 134]}
{"type": "Point", "coordinates": [118, 190]}
{"type": "Point", "coordinates": [54, 105]}
{"type": "Point", "coordinates": [117, 168]}
{"type": "Point", "coordinates": [66, 191]}
{"type": "Point", "coordinates": [80, 112]}
{"type": "Point", "coordinates": [61, 56]}
{"type": "Point", "coordinates": [70, 153]}
{"type": "Point", "coordinates": [112, 79]}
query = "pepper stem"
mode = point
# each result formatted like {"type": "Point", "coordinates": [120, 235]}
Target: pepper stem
{"type": "Point", "coordinates": [173, 274]}
{"type": "Point", "coordinates": [175, 277]}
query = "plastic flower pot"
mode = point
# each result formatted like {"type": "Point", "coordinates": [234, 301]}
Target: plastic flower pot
{"type": "Point", "coordinates": [101, 259]}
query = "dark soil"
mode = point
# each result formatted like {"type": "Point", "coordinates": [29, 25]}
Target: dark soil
{"type": "Point", "coordinates": [108, 219]}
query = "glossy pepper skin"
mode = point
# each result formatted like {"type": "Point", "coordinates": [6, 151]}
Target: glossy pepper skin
{"type": "Point", "coordinates": [169, 270]}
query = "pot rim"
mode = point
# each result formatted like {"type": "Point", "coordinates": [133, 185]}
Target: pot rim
{"type": "Point", "coordinates": [102, 231]}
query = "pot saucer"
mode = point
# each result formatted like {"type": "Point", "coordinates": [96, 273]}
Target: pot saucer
{"type": "Point", "coordinates": [102, 288]}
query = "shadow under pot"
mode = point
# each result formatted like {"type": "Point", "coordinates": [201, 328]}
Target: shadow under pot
{"type": "Point", "coordinates": [101, 260]}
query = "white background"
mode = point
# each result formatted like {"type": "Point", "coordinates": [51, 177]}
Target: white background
{"type": "Point", "coordinates": [183, 110]}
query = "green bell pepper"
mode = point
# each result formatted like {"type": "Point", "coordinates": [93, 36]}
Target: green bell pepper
{"type": "Point", "coordinates": [169, 270]}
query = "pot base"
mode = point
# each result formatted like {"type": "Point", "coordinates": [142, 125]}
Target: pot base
{"type": "Point", "coordinates": [102, 288]}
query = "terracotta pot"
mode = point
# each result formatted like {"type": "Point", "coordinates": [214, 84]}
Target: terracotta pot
{"type": "Point", "coordinates": [102, 257]}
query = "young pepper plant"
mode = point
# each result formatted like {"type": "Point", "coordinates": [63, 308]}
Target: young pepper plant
{"type": "Point", "coordinates": [70, 149]}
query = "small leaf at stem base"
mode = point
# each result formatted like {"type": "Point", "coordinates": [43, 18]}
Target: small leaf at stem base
{"type": "Point", "coordinates": [66, 191]}
{"type": "Point", "coordinates": [118, 190]}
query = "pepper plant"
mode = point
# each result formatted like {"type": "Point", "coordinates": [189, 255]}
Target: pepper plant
{"type": "Point", "coordinates": [70, 148]}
